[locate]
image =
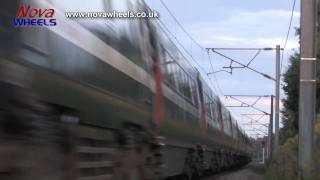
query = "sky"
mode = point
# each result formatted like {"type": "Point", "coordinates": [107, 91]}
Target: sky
{"type": "Point", "coordinates": [240, 24]}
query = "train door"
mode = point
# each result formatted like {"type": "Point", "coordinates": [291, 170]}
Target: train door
{"type": "Point", "coordinates": [202, 104]}
{"type": "Point", "coordinates": [231, 125]}
{"type": "Point", "coordinates": [221, 122]}
{"type": "Point", "coordinates": [150, 54]}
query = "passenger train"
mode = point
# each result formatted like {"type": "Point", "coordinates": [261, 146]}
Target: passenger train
{"type": "Point", "coordinates": [98, 99]}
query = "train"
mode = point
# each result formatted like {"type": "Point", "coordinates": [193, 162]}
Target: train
{"type": "Point", "coordinates": [99, 98]}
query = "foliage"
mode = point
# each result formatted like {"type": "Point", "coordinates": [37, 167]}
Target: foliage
{"type": "Point", "coordinates": [291, 103]}
{"type": "Point", "coordinates": [284, 164]}
{"type": "Point", "coordinates": [315, 166]}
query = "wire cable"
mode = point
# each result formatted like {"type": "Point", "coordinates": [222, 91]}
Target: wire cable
{"type": "Point", "coordinates": [214, 75]}
{"type": "Point", "coordinates": [166, 30]}
{"type": "Point", "coordinates": [176, 20]}
{"type": "Point", "coordinates": [190, 54]}
{"type": "Point", "coordinates": [192, 39]}
{"type": "Point", "coordinates": [288, 33]}
{"type": "Point", "coordinates": [164, 27]}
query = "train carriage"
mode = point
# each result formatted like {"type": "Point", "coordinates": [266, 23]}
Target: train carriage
{"type": "Point", "coordinates": [108, 98]}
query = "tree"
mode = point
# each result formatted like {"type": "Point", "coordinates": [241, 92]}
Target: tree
{"type": "Point", "coordinates": [291, 103]}
{"type": "Point", "coordinates": [290, 111]}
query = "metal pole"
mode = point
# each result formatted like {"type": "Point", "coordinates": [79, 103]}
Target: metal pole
{"type": "Point", "coordinates": [270, 130]}
{"type": "Point", "coordinates": [277, 100]}
{"type": "Point", "coordinates": [307, 94]}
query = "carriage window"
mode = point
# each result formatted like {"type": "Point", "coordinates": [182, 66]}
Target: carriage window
{"type": "Point", "coordinates": [207, 101]}
{"type": "Point", "coordinates": [177, 78]}
{"type": "Point", "coordinates": [184, 87]}
{"type": "Point", "coordinates": [194, 93]}
{"type": "Point", "coordinates": [215, 114]}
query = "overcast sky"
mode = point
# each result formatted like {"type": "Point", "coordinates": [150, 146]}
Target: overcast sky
{"type": "Point", "coordinates": [234, 23]}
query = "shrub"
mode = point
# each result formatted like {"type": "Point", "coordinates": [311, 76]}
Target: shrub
{"type": "Point", "coordinates": [284, 163]}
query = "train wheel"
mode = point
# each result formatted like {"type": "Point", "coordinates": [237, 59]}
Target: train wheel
{"type": "Point", "coordinates": [33, 142]}
{"type": "Point", "coordinates": [213, 163]}
{"type": "Point", "coordinates": [190, 172]}
{"type": "Point", "coordinates": [189, 169]}
{"type": "Point", "coordinates": [139, 155]}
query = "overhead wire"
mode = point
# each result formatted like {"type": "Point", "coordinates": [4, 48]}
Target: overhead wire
{"type": "Point", "coordinates": [288, 33]}
{"type": "Point", "coordinates": [214, 75]}
{"type": "Point", "coordinates": [166, 30]}
{"type": "Point", "coordinates": [193, 40]}
{"type": "Point", "coordinates": [176, 20]}
{"type": "Point", "coordinates": [190, 54]}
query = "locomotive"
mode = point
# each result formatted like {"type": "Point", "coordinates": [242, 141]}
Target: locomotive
{"type": "Point", "coordinates": [97, 99]}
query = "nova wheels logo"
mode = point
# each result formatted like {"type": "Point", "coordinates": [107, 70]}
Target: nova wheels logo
{"type": "Point", "coordinates": [28, 16]}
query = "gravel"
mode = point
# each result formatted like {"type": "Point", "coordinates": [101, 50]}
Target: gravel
{"type": "Point", "coordinates": [253, 171]}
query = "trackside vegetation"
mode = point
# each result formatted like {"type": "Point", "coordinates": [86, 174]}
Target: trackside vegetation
{"type": "Point", "coordinates": [284, 165]}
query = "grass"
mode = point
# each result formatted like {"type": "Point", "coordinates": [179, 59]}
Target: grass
{"type": "Point", "coordinates": [284, 164]}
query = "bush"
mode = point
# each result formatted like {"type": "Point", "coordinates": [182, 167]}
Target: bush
{"type": "Point", "coordinates": [315, 166]}
{"type": "Point", "coordinates": [284, 165]}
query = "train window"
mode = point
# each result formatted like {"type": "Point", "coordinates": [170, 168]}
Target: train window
{"type": "Point", "coordinates": [214, 113]}
{"type": "Point", "coordinates": [176, 75]}
{"type": "Point", "coordinates": [194, 90]}
{"type": "Point", "coordinates": [143, 39]}
{"type": "Point", "coordinates": [118, 33]}
{"type": "Point", "coordinates": [177, 78]}
{"type": "Point", "coordinates": [170, 75]}
{"type": "Point", "coordinates": [207, 105]}
{"type": "Point", "coordinates": [163, 61]}
{"type": "Point", "coordinates": [225, 120]}
{"type": "Point", "coordinates": [183, 84]}
{"type": "Point", "coordinates": [189, 88]}
{"type": "Point", "coordinates": [166, 65]}
{"type": "Point", "coordinates": [168, 68]}
{"type": "Point", "coordinates": [230, 123]}
{"type": "Point", "coordinates": [210, 108]}
{"type": "Point", "coordinates": [190, 82]}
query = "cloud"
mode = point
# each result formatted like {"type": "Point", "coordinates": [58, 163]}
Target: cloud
{"type": "Point", "coordinates": [270, 13]}
{"type": "Point", "coordinates": [265, 102]}
{"type": "Point", "coordinates": [223, 39]}
{"type": "Point", "coordinates": [270, 42]}
{"type": "Point", "coordinates": [250, 42]}
{"type": "Point", "coordinates": [244, 24]}
{"type": "Point", "coordinates": [254, 28]}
